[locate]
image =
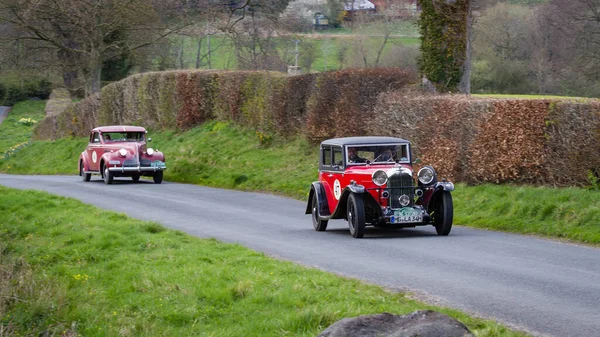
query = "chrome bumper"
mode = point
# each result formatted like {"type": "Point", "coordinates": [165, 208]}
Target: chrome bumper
{"type": "Point", "coordinates": [136, 169]}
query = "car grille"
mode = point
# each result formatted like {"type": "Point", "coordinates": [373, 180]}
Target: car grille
{"type": "Point", "coordinates": [399, 184]}
{"type": "Point", "coordinates": [134, 163]}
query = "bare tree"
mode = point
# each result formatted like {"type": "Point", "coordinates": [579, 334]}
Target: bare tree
{"type": "Point", "coordinates": [84, 34]}
{"type": "Point", "coordinates": [578, 22]}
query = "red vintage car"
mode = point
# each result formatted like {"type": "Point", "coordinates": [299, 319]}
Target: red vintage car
{"type": "Point", "coordinates": [121, 151]}
{"type": "Point", "coordinates": [370, 181]}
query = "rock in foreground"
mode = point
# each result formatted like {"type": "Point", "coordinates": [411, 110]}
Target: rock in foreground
{"type": "Point", "coordinates": [424, 323]}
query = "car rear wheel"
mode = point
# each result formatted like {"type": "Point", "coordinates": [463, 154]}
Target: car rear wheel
{"type": "Point", "coordinates": [318, 224]}
{"type": "Point", "coordinates": [356, 215]}
{"type": "Point", "coordinates": [108, 176]}
{"type": "Point", "coordinates": [158, 177]}
{"type": "Point", "coordinates": [84, 176]}
{"type": "Point", "coordinates": [135, 178]}
{"type": "Point", "coordinates": [443, 213]}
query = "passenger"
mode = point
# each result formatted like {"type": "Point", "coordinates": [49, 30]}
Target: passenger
{"type": "Point", "coordinates": [386, 155]}
{"type": "Point", "coordinates": [106, 137]}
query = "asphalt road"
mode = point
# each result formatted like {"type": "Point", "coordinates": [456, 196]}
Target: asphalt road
{"type": "Point", "coordinates": [3, 112]}
{"type": "Point", "coordinates": [545, 287]}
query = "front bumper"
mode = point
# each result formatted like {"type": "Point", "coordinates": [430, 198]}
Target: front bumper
{"type": "Point", "coordinates": [136, 166]}
{"type": "Point", "coordinates": [136, 169]}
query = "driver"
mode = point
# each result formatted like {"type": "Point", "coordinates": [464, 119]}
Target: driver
{"type": "Point", "coordinates": [353, 156]}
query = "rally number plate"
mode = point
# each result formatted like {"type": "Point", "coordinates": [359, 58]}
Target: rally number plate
{"type": "Point", "coordinates": [407, 215]}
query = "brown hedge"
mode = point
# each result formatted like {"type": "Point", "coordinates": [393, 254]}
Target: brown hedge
{"type": "Point", "coordinates": [550, 142]}
{"type": "Point", "coordinates": [466, 139]}
{"type": "Point", "coordinates": [343, 101]}
{"type": "Point", "coordinates": [573, 142]}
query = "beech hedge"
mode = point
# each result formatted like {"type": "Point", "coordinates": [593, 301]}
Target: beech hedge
{"type": "Point", "coordinates": [527, 141]}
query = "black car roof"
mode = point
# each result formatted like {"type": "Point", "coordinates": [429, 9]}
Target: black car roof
{"type": "Point", "coordinates": [363, 140]}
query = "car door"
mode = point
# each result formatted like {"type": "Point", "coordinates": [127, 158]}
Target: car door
{"type": "Point", "coordinates": [94, 152]}
{"type": "Point", "coordinates": [332, 171]}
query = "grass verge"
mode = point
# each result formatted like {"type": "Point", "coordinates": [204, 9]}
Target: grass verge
{"type": "Point", "coordinates": [70, 269]}
{"type": "Point", "coordinates": [17, 127]}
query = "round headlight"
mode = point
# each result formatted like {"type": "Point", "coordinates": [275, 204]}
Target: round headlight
{"type": "Point", "coordinates": [426, 175]}
{"type": "Point", "coordinates": [404, 200]}
{"type": "Point", "coordinates": [379, 177]}
{"type": "Point", "coordinates": [122, 152]}
{"type": "Point", "coordinates": [150, 151]}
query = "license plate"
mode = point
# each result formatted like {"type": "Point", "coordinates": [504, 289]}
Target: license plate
{"type": "Point", "coordinates": [407, 215]}
{"type": "Point", "coordinates": [158, 164]}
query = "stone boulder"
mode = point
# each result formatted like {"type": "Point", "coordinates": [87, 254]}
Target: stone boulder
{"type": "Point", "coordinates": [423, 323]}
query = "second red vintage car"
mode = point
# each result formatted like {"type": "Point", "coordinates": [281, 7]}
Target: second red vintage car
{"type": "Point", "coordinates": [370, 181]}
{"type": "Point", "coordinates": [121, 151]}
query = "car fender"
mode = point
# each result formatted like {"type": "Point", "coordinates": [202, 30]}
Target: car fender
{"type": "Point", "coordinates": [157, 156]}
{"type": "Point", "coordinates": [438, 189]}
{"type": "Point", "coordinates": [83, 159]}
{"type": "Point", "coordinates": [340, 210]}
{"type": "Point", "coordinates": [318, 191]}
{"type": "Point", "coordinates": [443, 185]}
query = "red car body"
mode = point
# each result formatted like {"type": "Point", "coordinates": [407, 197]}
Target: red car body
{"type": "Point", "coordinates": [120, 151]}
{"type": "Point", "coordinates": [370, 181]}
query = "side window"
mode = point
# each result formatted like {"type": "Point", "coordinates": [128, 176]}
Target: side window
{"type": "Point", "coordinates": [326, 153]}
{"type": "Point", "coordinates": [95, 137]}
{"type": "Point", "coordinates": [338, 158]}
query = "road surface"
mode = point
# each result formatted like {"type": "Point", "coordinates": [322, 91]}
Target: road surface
{"type": "Point", "coordinates": [545, 287]}
{"type": "Point", "coordinates": [3, 112]}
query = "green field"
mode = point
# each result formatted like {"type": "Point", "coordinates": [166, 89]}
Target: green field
{"type": "Point", "coordinates": [325, 47]}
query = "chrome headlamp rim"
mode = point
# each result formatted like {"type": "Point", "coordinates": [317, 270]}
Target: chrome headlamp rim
{"type": "Point", "coordinates": [123, 152]}
{"type": "Point", "coordinates": [427, 175]}
{"type": "Point", "coordinates": [150, 151]}
{"type": "Point", "coordinates": [404, 200]}
{"type": "Point", "coordinates": [379, 177]}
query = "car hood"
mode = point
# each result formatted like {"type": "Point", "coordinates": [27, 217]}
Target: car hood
{"type": "Point", "coordinates": [363, 173]}
{"type": "Point", "coordinates": [132, 148]}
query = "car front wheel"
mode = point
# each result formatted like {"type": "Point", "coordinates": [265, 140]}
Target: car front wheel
{"type": "Point", "coordinates": [135, 178]}
{"type": "Point", "coordinates": [158, 177]}
{"type": "Point", "coordinates": [356, 215]}
{"type": "Point", "coordinates": [443, 213]}
{"type": "Point", "coordinates": [318, 224]}
{"type": "Point", "coordinates": [108, 176]}
{"type": "Point", "coordinates": [84, 176]}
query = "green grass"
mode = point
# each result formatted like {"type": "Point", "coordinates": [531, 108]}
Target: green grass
{"type": "Point", "coordinates": [13, 132]}
{"type": "Point", "coordinates": [570, 213]}
{"type": "Point", "coordinates": [327, 49]}
{"type": "Point", "coordinates": [71, 269]}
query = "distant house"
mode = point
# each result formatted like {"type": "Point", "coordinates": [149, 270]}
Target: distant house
{"type": "Point", "coordinates": [357, 7]}
{"type": "Point", "coordinates": [402, 8]}
{"type": "Point", "coordinates": [320, 21]}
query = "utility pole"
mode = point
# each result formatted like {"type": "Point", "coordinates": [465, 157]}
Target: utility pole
{"type": "Point", "coordinates": [296, 41]}
{"type": "Point", "coordinates": [208, 45]}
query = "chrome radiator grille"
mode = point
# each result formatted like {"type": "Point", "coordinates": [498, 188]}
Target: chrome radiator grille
{"type": "Point", "coordinates": [399, 184]}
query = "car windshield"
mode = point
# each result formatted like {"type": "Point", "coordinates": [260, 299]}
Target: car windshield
{"type": "Point", "coordinates": [377, 154]}
{"type": "Point", "coordinates": [123, 136]}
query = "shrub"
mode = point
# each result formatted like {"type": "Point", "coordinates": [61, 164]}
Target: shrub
{"type": "Point", "coordinates": [13, 92]}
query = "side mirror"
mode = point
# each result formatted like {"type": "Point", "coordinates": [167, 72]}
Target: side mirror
{"type": "Point", "coordinates": [149, 140]}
